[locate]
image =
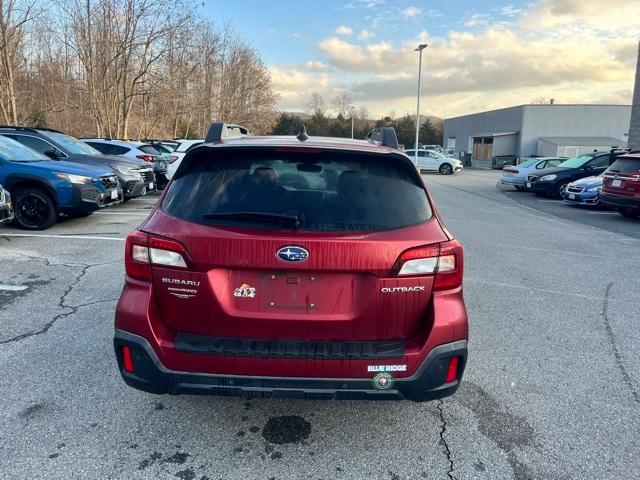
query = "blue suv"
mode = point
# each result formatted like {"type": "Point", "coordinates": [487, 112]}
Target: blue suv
{"type": "Point", "coordinates": [42, 189]}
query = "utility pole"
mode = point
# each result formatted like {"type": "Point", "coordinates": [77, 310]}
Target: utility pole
{"type": "Point", "coordinates": [420, 48]}
{"type": "Point", "coordinates": [634, 126]}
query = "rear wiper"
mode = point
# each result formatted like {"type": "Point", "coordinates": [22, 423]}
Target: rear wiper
{"type": "Point", "coordinates": [291, 220]}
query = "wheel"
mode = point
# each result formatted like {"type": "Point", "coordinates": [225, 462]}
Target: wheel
{"type": "Point", "coordinates": [520, 189]}
{"type": "Point", "coordinates": [629, 213]}
{"type": "Point", "coordinates": [34, 209]}
{"type": "Point", "coordinates": [560, 190]}
{"type": "Point", "coordinates": [446, 169]}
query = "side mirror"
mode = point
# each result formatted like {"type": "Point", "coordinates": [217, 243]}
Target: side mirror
{"type": "Point", "coordinates": [53, 154]}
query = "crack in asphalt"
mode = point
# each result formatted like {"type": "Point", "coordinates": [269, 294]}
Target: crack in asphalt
{"type": "Point", "coordinates": [61, 303]}
{"type": "Point", "coordinates": [617, 355]}
{"type": "Point", "coordinates": [443, 440]}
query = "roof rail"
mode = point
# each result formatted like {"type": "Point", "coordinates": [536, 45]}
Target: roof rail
{"type": "Point", "coordinates": [219, 131]}
{"type": "Point", "coordinates": [30, 129]}
{"type": "Point", "coordinates": [385, 136]}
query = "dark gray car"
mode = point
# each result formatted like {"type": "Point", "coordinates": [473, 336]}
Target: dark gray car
{"type": "Point", "coordinates": [136, 177]}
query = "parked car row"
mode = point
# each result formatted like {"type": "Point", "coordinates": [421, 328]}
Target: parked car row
{"type": "Point", "coordinates": [598, 179]}
{"type": "Point", "coordinates": [46, 173]}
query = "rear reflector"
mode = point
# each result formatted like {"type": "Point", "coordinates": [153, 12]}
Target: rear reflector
{"type": "Point", "coordinates": [452, 371]}
{"type": "Point", "coordinates": [127, 359]}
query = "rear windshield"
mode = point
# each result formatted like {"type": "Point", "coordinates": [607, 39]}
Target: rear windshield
{"type": "Point", "coordinates": [148, 149]}
{"type": "Point", "coordinates": [330, 191]}
{"type": "Point", "coordinates": [625, 165]}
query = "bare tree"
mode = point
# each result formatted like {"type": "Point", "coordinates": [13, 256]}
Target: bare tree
{"type": "Point", "coordinates": [316, 104]}
{"type": "Point", "coordinates": [343, 105]}
{"type": "Point", "coordinates": [14, 16]}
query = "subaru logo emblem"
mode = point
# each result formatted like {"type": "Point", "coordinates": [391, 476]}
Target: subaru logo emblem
{"type": "Point", "coordinates": [292, 253]}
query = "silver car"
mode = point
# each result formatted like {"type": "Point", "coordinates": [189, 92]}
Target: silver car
{"type": "Point", "coordinates": [516, 175]}
{"type": "Point", "coordinates": [6, 209]}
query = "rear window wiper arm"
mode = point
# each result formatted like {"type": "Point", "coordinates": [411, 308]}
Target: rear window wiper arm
{"type": "Point", "coordinates": [291, 220]}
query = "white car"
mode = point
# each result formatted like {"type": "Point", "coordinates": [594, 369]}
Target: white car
{"type": "Point", "coordinates": [432, 161]}
{"type": "Point", "coordinates": [516, 175]}
{"type": "Point", "coordinates": [178, 154]}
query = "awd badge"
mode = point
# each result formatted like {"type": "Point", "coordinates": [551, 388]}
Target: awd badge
{"type": "Point", "coordinates": [244, 291]}
{"type": "Point", "coordinates": [383, 381]}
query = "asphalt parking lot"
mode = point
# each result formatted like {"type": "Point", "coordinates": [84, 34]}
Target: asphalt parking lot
{"type": "Point", "coordinates": [551, 390]}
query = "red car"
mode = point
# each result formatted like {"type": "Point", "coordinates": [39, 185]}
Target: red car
{"type": "Point", "coordinates": [294, 266]}
{"type": "Point", "coordinates": [621, 185]}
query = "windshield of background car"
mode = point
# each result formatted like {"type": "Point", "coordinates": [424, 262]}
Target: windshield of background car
{"type": "Point", "coordinates": [527, 163]}
{"type": "Point", "coordinates": [326, 191]}
{"type": "Point", "coordinates": [72, 145]}
{"type": "Point", "coordinates": [625, 165]}
{"type": "Point", "coordinates": [16, 152]}
{"type": "Point", "coordinates": [576, 162]}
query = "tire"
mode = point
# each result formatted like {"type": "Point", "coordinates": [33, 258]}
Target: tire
{"type": "Point", "coordinates": [629, 213]}
{"type": "Point", "coordinates": [34, 209]}
{"type": "Point", "coordinates": [559, 193]}
{"type": "Point", "coordinates": [446, 169]}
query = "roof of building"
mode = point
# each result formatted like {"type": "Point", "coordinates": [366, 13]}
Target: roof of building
{"type": "Point", "coordinates": [544, 106]}
{"type": "Point", "coordinates": [499, 134]}
{"type": "Point", "coordinates": [585, 141]}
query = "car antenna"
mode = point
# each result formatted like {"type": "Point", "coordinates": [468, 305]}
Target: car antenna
{"type": "Point", "coordinates": [302, 134]}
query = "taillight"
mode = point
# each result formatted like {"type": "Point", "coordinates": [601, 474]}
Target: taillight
{"type": "Point", "coordinates": [142, 251]}
{"type": "Point", "coordinates": [146, 158]}
{"type": "Point", "coordinates": [172, 158]}
{"type": "Point", "coordinates": [444, 261]}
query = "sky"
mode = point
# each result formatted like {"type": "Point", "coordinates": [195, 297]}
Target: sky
{"type": "Point", "coordinates": [482, 54]}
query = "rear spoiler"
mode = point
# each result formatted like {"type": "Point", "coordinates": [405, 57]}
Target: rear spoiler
{"type": "Point", "coordinates": [221, 131]}
{"type": "Point", "coordinates": [385, 136]}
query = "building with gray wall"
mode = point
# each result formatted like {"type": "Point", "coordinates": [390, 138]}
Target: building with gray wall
{"type": "Point", "coordinates": [533, 129]}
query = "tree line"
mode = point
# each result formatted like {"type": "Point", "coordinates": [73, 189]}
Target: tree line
{"type": "Point", "coordinates": [334, 119]}
{"type": "Point", "coordinates": [127, 69]}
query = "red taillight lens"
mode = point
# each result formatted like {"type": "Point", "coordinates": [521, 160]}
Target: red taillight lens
{"type": "Point", "coordinates": [444, 261]}
{"type": "Point", "coordinates": [146, 158]}
{"type": "Point", "coordinates": [127, 359]}
{"type": "Point", "coordinates": [452, 371]}
{"type": "Point", "coordinates": [136, 256]}
{"type": "Point", "coordinates": [142, 251]}
{"type": "Point", "coordinates": [450, 266]}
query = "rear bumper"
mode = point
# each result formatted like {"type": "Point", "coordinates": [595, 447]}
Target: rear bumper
{"type": "Point", "coordinates": [620, 201]}
{"type": "Point", "coordinates": [427, 383]}
{"type": "Point", "coordinates": [540, 187]}
{"type": "Point", "coordinates": [584, 198]}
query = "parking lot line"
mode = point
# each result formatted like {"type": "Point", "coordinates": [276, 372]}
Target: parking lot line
{"type": "Point", "coordinates": [75, 237]}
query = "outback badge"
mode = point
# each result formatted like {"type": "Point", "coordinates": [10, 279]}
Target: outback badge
{"type": "Point", "coordinates": [292, 253]}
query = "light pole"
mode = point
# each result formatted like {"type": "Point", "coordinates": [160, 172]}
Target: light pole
{"type": "Point", "coordinates": [353, 109]}
{"type": "Point", "coordinates": [420, 48]}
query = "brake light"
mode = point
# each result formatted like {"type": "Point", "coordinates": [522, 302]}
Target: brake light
{"type": "Point", "coordinates": [146, 158]}
{"type": "Point", "coordinates": [142, 251]}
{"type": "Point", "coordinates": [172, 158]}
{"type": "Point", "coordinates": [444, 261]}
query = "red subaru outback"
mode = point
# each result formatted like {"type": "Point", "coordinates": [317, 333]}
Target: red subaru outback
{"type": "Point", "coordinates": [294, 266]}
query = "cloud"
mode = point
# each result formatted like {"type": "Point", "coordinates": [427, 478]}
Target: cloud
{"type": "Point", "coordinates": [295, 34]}
{"type": "Point", "coordinates": [344, 30]}
{"type": "Point", "coordinates": [506, 62]}
{"type": "Point", "coordinates": [411, 12]}
{"type": "Point", "coordinates": [366, 35]}
{"type": "Point", "coordinates": [315, 65]}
